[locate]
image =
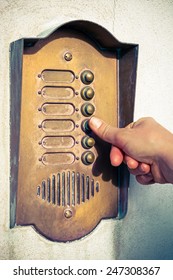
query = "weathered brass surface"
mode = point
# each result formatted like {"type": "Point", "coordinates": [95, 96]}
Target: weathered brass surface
{"type": "Point", "coordinates": [57, 125]}
{"type": "Point", "coordinates": [59, 186]}
{"type": "Point", "coordinates": [57, 93]}
{"type": "Point", "coordinates": [65, 190]}
{"type": "Point", "coordinates": [57, 109]}
{"type": "Point", "coordinates": [58, 142]}
{"type": "Point", "coordinates": [57, 76]}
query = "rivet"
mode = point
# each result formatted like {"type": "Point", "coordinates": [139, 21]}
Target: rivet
{"type": "Point", "coordinates": [68, 56]}
{"type": "Point", "coordinates": [68, 213]}
{"type": "Point", "coordinates": [39, 75]}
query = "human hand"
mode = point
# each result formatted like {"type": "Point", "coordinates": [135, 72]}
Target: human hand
{"type": "Point", "coordinates": [145, 146]}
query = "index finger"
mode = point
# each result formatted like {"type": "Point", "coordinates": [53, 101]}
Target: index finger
{"type": "Point", "coordinates": [105, 131]}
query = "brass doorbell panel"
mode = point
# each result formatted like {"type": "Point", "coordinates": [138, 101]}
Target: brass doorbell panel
{"type": "Point", "coordinates": [62, 182]}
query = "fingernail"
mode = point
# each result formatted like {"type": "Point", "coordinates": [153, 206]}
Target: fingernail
{"type": "Point", "coordinates": [95, 122]}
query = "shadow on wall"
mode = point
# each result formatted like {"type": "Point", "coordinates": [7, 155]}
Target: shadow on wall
{"type": "Point", "coordinates": [147, 231]}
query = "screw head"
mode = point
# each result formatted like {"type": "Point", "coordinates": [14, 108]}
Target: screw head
{"type": "Point", "coordinates": [68, 213]}
{"type": "Point", "coordinates": [68, 56]}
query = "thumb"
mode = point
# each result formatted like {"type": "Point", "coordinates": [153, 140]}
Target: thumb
{"type": "Point", "coordinates": [104, 131]}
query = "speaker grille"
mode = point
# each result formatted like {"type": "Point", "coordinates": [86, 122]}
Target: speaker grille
{"type": "Point", "coordinates": [67, 188]}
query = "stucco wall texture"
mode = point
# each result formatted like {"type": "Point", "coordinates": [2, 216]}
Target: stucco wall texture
{"type": "Point", "coordinates": [147, 230]}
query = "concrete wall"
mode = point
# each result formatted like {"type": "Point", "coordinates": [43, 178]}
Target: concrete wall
{"type": "Point", "coordinates": [147, 230]}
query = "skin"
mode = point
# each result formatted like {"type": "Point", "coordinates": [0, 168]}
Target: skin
{"type": "Point", "coordinates": [145, 146]}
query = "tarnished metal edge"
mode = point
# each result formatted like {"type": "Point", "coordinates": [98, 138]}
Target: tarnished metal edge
{"type": "Point", "coordinates": [127, 72]}
{"type": "Point", "coordinates": [16, 51]}
{"type": "Point", "coordinates": [96, 32]}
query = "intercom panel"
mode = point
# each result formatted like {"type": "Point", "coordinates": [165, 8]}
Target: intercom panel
{"type": "Point", "coordinates": [62, 182]}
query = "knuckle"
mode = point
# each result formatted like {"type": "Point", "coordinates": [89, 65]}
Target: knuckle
{"type": "Point", "coordinates": [105, 131]}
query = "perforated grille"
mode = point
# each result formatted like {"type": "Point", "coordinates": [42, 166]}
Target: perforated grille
{"type": "Point", "coordinates": [67, 188]}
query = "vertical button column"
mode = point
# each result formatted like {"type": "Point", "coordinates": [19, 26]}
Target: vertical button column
{"type": "Point", "coordinates": [87, 110]}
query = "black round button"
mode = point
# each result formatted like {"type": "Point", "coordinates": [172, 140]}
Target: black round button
{"type": "Point", "coordinates": [85, 126]}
